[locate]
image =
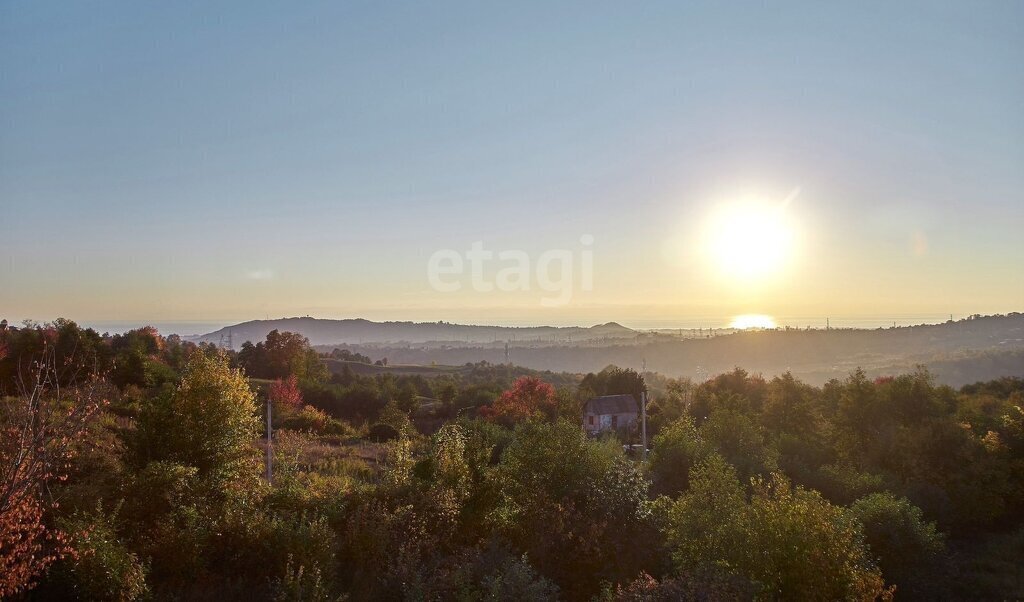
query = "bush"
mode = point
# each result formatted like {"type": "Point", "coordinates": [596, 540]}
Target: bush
{"type": "Point", "coordinates": [677, 449]}
{"type": "Point", "coordinates": [907, 547]}
{"type": "Point", "coordinates": [316, 421]}
{"type": "Point", "coordinates": [382, 433]}
{"type": "Point", "coordinates": [791, 541]}
{"type": "Point", "coordinates": [576, 507]}
{"type": "Point", "coordinates": [208, 422]}
{"type": "Point", "coordinates": [300, 584]}
{"type": "Point", "coordinates": [490, 573]}
{"type": "Point", "coordinates": [710, 584]}
{"type": "Point", "coordinates": [102, 567]}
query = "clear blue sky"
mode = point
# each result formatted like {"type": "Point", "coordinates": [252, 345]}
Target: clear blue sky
{"type": "Point", "coordinates": [232, 160]}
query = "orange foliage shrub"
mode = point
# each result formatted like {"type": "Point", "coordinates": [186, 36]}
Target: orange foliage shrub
{"type": "Point", "coordinates": [37, 432]}
{"type": "Point", "coordinates": [528, 398]}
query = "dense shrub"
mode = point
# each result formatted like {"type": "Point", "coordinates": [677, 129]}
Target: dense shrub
{"type": "Point", "coordinates": [767, 538]}
{"type": "Point", "coordinates": [908, 548]}
{"type": "Point", "coordinates": [382, 433]}
{"type": "Point", "coordinates": [101, 566]}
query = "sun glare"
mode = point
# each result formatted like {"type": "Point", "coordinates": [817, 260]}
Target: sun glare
{"type": "Point", "coordinates": [746, 321]}
{"type": "Point", "coordinates": [749, 242]}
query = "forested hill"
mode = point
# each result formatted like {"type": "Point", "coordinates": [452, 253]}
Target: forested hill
{"type": "Point", "coordinates": [355, 331]}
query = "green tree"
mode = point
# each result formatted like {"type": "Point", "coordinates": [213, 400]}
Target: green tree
{"type": "Point", "coordinates": [280, 355]}
{"type": "Point", "coordinates": [790, 407]}
{"type": "Point", "coordinates": [907, 547]}
{"type": "Point", "coordinates": [406, 397]}
{"type": "Point", "coordinates": [791, 541]}
{"type": "Point", "coordinates": [209, 422]}
{"type": "Point", "coordinates": [741, 441]}
{"type": "Point", "coordinates": [614, 381]}
{"type": "Point", "coordinates": [677, 449]}
{"type": "Point", "coordinates": [669, 406]}
{"type": "Point", "coordinates": [577, 508]}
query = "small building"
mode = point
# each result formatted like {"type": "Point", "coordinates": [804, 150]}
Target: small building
{"type": "Point", "coordinates": [610, 413]}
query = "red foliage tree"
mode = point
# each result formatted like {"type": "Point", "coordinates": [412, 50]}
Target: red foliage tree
{"type": "Point", "coordinates": [286, 392]}
{"type": "Point", "coordinates": [529, 398]}
{"type": "Point", "coordinates": [38, 430]}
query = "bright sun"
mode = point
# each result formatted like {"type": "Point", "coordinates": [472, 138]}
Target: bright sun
{"type": "Point", "coordinates": [749, 242]}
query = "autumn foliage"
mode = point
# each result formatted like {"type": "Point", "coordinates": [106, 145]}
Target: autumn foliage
{"type": "Point", "coordinates": [755, 488]}
{"type": "Point", "coordinates": [528, 398]}
{"type": "Point", "coordinates": [286, 392]}
{"type": "Point", "coordinates": [38, 430]}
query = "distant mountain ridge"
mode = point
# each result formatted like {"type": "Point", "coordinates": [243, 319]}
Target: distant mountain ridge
{"type": "Point", "coordinates": [961, 352]}
{"type": "Point", "coordinates": [360, 331]}
{"type": "Point", "coordinates": [975, 348]}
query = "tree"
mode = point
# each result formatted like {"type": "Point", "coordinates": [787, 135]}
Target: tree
{"type": "Point", "coordinates": [406, 397]}
{"type": "Point", "coordinates": [707, 525]}
{"type": "Point", "coordinates": [736, 390]}
{"type": "Point", "coordinates": [907, 547]}
{"type": "Point", "coordinates": [209, 422]}
{"type": "Point", "coordinates": [280, 355]}
{"type": "Point", "coordinates": [38, 429]}
{"type": "Point", "coordinates": [790, 407]}
{"type": "Point", "coordinates": [615, 381]}
{"type": "Point", "coordinates": [791, 541]}
{"type": "Point", "coordinates": [862, 421]}
{"type": "Point", "coordinates": [286, 392]}
{"type": "Point", "coordinates": [677, 449]}
{"type": "Point", "coordinates": [529, 398]}
{"type": "Point", "coordinates": [741, 441]}
{"type": "Point", "coordinates": [446, 391]}
{"type": "Point", "coordinates": [577, 508]}
{"type": "Point", "coordinates": [74, 354]}
{"type": "Point", "coordinates": [349, 356]}
{"type": "Point", "coordinates": [669, 406]}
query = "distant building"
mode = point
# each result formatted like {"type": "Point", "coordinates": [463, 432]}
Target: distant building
{"type": "Point", "coordinates": [610, 413]}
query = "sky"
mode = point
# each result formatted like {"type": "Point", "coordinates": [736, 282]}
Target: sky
{"type": "Point", "coordinates": [218, 162]}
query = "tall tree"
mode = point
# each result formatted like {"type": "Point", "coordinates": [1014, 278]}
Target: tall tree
{"type": "Point", "coordinates": [209, 422]}
{"type": "Point", "coordinates": [280, 355]}
{"type": "Point", "coordinates": [529, 397]}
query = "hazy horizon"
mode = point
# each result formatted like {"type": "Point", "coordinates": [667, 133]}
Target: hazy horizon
{"type": "Point", "coordinates": [199, 327]}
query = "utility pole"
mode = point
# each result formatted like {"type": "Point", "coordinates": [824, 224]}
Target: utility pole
{"type": "Point", "coordinates": [270, 445]}
{"type": "Point", "coordinates": [643, 425]}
